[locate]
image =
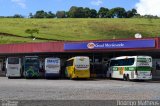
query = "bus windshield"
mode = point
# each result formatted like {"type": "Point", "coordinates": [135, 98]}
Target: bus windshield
{"type": "Point", "coordinates": [144, 62]}
{"type": "Point", "coordinates": [31, 61]}
{"type": "Point", "coordinates": [143, 59]}
{"type": "Point", "coordinates": [82, 63]}
{"type": "Point", "coordinates": [13, 60]}
{"type": "Point", "coordinates": [52, 63]}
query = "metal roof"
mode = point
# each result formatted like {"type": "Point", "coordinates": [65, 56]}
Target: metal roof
{"type": "Point", "coordinates": [58, 47]}
{"type": "Point", "coordinates": [32, 47]}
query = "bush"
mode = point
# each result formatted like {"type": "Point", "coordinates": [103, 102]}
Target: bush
{"type": "Point", "coordinates": [31, 32]}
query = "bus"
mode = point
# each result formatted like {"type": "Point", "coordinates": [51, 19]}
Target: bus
{"type": "Point", "coordinates": [2, 68]}
{"type": "Point", "coordinates": [52, 67]}
{"type": "Point", "coordinates": [78, 67]}
{"type": "Point", "coordinates": [130, 68]}
{"type": "Point", "coordinates": [31, 67]}
{"type": "Point", "coordinates": [13, 67]}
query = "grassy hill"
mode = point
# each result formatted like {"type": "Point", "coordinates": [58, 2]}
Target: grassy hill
{"type": "Point", "coordinates": [13, 30]}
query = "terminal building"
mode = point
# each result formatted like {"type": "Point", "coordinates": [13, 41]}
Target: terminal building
{"type": "Point", "coordinates": [99, 51]}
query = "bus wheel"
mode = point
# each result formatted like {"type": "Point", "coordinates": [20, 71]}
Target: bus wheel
{"type": "Point", "coordinates": [71, 78]}
{"type": "Point", "coordinates": [124, 77]}
{"type": "Point", "coordinates": [110, 76]}
{"type": "Point", "coordinates": [23, 74]}
{"type": "Point", "coordinates": [127, 78]}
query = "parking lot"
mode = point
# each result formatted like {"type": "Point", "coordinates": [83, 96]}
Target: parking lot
{"type": "Point", "coordinates": [94, 89]}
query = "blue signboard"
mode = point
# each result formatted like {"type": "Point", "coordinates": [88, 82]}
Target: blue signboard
{"type": "Point", "coordinates": [110, 45]}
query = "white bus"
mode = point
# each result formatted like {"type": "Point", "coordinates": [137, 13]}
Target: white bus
{"type": "Point", "coordinates": [52, 67]}
{"type": "Point", "coordinates": [130, 68]}
{"type": "Point", "coordinates": [13, 67]}
{"type": "Point", "coordinates": [2, 70]}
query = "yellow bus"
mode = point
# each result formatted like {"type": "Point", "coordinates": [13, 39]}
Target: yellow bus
{"type": "Point", "coordinates": [78, 67]}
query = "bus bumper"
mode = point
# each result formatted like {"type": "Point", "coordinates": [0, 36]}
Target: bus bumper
{"type": "Point", "coordinates": [81, 76]}
{"type": "Point", "coordinates": [13, 75]}
{"type": "Point", "coordinates": [52, 75]}
{"type": "Point", "coordinates": [144, 77]}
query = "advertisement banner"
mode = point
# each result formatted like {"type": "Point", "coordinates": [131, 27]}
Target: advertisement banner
{"type": "Point", "coordinates": [110, 45]}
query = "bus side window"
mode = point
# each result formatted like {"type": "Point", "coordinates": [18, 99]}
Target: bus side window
{"type": "Point", "coordinates": [69, 63]}
{"type": "Point", "coordinates": [120, 62]}
{"type": "Point", "coordinates": [114, 63]}
{"type": "Point", "coordinates": [111, 63]}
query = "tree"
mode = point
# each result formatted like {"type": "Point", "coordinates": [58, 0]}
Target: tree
{"type": "Point", "coordinates": [134, 12]}
{"type": "Point", "coordinates": [18, 16]}
{"type": "Point", "coordinates": [93, 13]}
{"type": "Point", "coordinates": [72, 12]}
{"type": "Point", "coordinates": [80, 12]}
{"type": "Point", "coordinates": [120, 12]}
{"type": "Point", "coordinates": [131, 13]}
{"type": "Point", "coordinates": [87, 12]}
{"type": "Point", "coordinates": [103, 12]}
{"type": "Point", "coordinates": [50, 15]}
{"type": "Point", "coordinates": [111, 13]}
{"type": "Point", "coordinates": [76, 12]}
{"type": "Point", "coordinates": [61, 14]}
{"type": "Point", "coordinates": [40, 14]}
{"type": "Point", "coordinates": [67, 14]}
{"type": "Point", "coordinates": [31, 32]}
{"type": "Point", "coordinates": [31, 15]}
{"type": "Point", "coordinates": [117, 12]}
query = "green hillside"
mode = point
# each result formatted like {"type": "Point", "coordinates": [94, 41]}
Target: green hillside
{"type": "Point", "coordinates": [13, 30]}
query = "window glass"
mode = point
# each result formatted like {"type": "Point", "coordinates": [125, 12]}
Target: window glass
{"type": "Point", "coordinates": [13, 60]}
{"type": "Point", "coordinates": [70, 63]}
{"type": "Point", "coordinates": [122, 62]}
{"type": "Point", "coordinates": [31, 61]}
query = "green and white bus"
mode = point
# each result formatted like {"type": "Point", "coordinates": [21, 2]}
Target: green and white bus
{"type": "Point", "coordinates": [130, 68]}
{"type": "Point", "coordinates": [31, 67]}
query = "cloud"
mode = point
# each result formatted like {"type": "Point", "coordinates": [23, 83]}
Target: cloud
{"type": "Point", "coordinates": [21, 3]}
{"type": "Point", "coordinates": [148, 7]}
{"type": "Point", "coordinates": [96, 2]}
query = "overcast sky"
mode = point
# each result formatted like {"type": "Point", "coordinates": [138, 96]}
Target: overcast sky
{"type": "Point", "coordinates": [24, 7]}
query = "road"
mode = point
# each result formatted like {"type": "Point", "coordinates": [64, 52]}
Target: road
{"type": "Point", "coordinates": [98, 89]}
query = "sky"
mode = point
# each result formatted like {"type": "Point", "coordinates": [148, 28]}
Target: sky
{"type": "Point", "coordinates": [24, 7]}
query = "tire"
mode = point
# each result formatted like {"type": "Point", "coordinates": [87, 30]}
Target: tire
{"type": "Point", "coordinates": [124, 77]}
{"type": "Point", "coordinates": [110, 76]}
{"type": "Point", "coordinates": [71, 78]}
{"type": "Point", "coordinates": [127, 77]}
{"type": "Point", "coordinates": [23, 74]}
